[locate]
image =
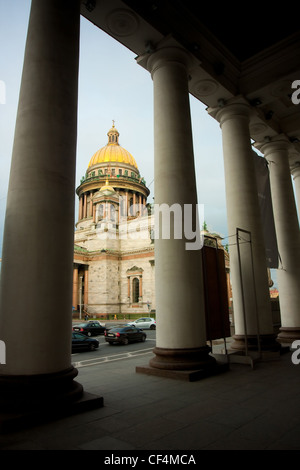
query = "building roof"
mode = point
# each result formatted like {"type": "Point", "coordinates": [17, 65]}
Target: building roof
{"type": "Point", "coordinates": [113, 152]}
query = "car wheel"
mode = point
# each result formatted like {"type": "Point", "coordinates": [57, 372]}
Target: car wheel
{"type": "Point", "coordinates": [89, 333]}
{"type": "Point", "coordinates": [143, 338]}
{"type": "Point", "coordinates": [125, 341]}
{"type": "Point", "coordinates": [92, 347]}
{"type": "Point", "coordinates": [152, 327]}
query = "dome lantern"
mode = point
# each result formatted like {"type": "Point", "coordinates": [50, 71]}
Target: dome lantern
{"type": "Point", "coordinates": [113, 135]}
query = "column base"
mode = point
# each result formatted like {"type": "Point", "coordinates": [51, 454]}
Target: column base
{"type": "Point", "coordinates": [267, 343]}
{"type": "Point", "coordinates": [288, 335]}
{"type": "Point", "coordinates": [183, 364]}
{"type": "Point", "coordinates": [30, 400]}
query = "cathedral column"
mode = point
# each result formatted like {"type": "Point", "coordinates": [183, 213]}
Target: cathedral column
{"type": "Point", "coordinates": [39, 224]}
{"type": "Point", "coordinates": [249, 276]}
{"type": "Point", "coordinates": [128, 288]}
{"type": "Point", "coordinates": [80, 208]}
{"type": "Point", "coordinates": [134, 203]}
{"type": "Point", "coordinates": [140, 288]}
{"type": "Point", "coordinates": [75, 286]}
{"type": "Point", "coordinates": [178, 270]}
{"type": "Point", "coordinates": [91, 204]}
{"type": "Point", "coordinates": [86, 286]}
{"type": "Point", "coordinates": [276, 152]}
{"type": "Point", "coordinates": [125, 204]}
{"type": "Point", "coordinates": [85, 205]}
{"type": "Point", "coordinates": [144, 210]}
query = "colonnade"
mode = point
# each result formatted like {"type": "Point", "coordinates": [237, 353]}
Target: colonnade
{"type": "Point", "coordinates": [276, 151]}
{"type": "Point", "coordinates": [87, 207]}
{"type": "Point", "coordinates": [248, 266]}
{"type": "Point", "coordinates": [43, 175]}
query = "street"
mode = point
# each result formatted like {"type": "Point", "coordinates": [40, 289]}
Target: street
{"type": "Point", "coordinates": [116, 352]}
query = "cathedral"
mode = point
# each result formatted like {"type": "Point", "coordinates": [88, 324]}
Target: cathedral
{"type": "Point", "coordinates": [113, 271]}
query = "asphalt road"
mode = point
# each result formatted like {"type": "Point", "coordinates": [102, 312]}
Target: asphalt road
{"type": "Point", "coordinates": [116, 352]}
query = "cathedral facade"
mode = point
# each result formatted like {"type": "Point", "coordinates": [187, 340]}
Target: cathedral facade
{"type": "Point", "coordinates": [113, 271]}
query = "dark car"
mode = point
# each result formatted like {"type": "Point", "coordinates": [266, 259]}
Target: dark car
{"type": "Point", "coordinates": [124, 335]}
{"type": "Point", "coordinates": [90, 328]}
{"type": "Point", "coordinates": [82, 342]}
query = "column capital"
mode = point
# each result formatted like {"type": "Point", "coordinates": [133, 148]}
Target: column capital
{"type": "Point", "coordinates": [294, 156]}
{"type": "Point", "coordinates": [228, 109]}
{"type": "Point", "coordinates": [167, 52]}
{"type": "Point", "coordinates": [295, 170]}
{"type": "Point", "coordinates": [273, 144]}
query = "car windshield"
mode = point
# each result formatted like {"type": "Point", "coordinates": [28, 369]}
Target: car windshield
{"type": "Point", "coordinates": [78, 336]}
{"type": "Point", "coordinates": [82, 324]}
{"type": "Point", "coordinates": [117, 330]}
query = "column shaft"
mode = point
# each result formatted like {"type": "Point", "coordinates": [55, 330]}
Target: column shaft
{"type": "Point", "coordinates": [80, 207]}
{"type": "Point", "coordinates": [39, 224]}
{"type": "Point", "coordinates": [128, 287]}
{"type": "Point", "coordinates": [91, 205]}
{"type": "Point", "coordinates": [178, 276]}
{"type": "Point", "coordinates": [85, 206]}
{"type": "Point", "coordinates": [75, 287]}
{"type": "Point", "coordinates": [296, 177]}
{"type": "Point", "coordinates": [134, 204]}
{"type": "Point", "coordinates": [86, 287]}
{"type": "Point", "coordinates": [288, 237]}
{"type": "Point", "coordinates": [140, 287]}
{"type": "Point", "coordinates": [251, 299]}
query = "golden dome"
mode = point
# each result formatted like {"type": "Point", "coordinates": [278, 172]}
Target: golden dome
{"type": "Point", "coordinates": [113, 152]}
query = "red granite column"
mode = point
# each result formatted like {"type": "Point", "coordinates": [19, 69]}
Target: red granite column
{"type": "Point", "coordinates": [75, 286]}
{"type": "Point", "coordinates": [86, 287]}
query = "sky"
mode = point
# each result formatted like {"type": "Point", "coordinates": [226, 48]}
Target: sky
{"type": "Point", "coordinates": [111, 87]}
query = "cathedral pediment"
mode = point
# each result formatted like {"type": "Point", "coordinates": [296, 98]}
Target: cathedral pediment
{"type": "Point", "coordinates": [134, 269]}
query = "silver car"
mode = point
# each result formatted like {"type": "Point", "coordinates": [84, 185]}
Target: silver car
{"type": "Point", "coordinates": [145, 323]}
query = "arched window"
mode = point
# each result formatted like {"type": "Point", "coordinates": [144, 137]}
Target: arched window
{"type": "Point", "coordinates": [135, 290]}
{"type": "Point", "coordinates": [100, 211]}
{"type": "Point", "coordinates": [112, 212]}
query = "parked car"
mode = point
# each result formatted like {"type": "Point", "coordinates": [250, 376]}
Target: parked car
{"type": "Point", "coordinates": [90, 328]}
{"type": "Point", "coordinates": [82, 342]}
{"type": "Point", "coordinates": [124, 335]}
{"type": "Point", "coordinates": [144, 323]}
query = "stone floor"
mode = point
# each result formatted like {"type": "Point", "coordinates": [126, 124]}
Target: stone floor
{"type": "Point", "coordinates": [244, 408]}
